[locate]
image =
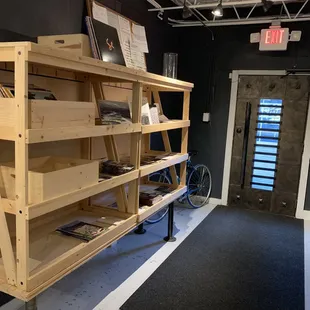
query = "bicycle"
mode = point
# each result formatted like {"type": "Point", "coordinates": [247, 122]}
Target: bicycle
{"type": "Point", "coordinates": [198, 181]}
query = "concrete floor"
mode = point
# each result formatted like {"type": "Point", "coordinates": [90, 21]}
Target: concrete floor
{"type": "Point", "coordinates": [109, 279]}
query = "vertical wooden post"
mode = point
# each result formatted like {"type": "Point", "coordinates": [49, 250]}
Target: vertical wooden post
{"type": "Point", "coordinates": [135, 147]}
{"type": "Point", "coordinates": [6, 249]}
{"type": "Point", "coordinates": [86, 94]}
{"type": "Point", "coordinates": [21, 167]}
{"type": "Point", "coordinates": [184, 142]}
{"type": "Point", "coordinates": [166, 141]}
{"type": "Point", "coordinates": [147, 137]}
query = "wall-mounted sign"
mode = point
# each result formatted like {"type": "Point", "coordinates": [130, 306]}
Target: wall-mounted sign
{"type": "Point", "coordinates": [275, 38]}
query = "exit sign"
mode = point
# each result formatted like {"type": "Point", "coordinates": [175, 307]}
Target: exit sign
{"type": "Point", "coordinates": [274, 39]}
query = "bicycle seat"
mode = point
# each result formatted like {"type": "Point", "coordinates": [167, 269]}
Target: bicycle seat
{"type": "Point", "coordinates": [192, 153]}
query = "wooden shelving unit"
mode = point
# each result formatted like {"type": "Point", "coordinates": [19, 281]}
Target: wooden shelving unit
{"type": "Point", "coordinates": [33, 255]}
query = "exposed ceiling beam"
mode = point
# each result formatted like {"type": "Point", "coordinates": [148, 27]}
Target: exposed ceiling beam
{"type": "Point", "coordinates": [245, 21]}
{"type": "Point", "coordinates": [212, 4]}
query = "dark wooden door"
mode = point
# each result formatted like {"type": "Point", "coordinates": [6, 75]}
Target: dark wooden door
{"type": "Point", "coordinates": [269, 132]}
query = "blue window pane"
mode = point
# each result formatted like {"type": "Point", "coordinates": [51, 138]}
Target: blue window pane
{"type": "Point", "coordinates": [262, 187]}
{"type": "Point", "coordinates": [263, 181]}
{"type": "Point", "coordinates": [269, 142]}
{"type": "Point", "coordinates": [264, 173]}
{"type": "Point", "coordinates": [258, 164]}
{"type": "Point", "coordinates": [269, 118]}
{"type": "Point", "coordinates": [266, 149]}
{"type": "Point", "coordinates": [269, 134]}
{"type": "Point", "coordinates": [268, 110]}
{"type": "Point", "coordinates": [271, 158]}
{"type": "Point", "coordinates": [268, 126]}
{"type": "Point", "coordinates": [274, 102]}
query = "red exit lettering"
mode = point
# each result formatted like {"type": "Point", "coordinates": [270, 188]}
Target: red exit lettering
{"type": "Point", "coordinates": [274, 36]}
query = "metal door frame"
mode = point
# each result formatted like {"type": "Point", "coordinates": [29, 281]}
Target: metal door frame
{"type": "Point", "coordinates": [300, 212]}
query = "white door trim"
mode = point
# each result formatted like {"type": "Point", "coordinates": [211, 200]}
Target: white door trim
{"type": "Point", "coordinates": [303, 179]}
{"type": "Point", "coordinates": [230, 135]}
{"type": "Point", "coordinates": [300, 212]}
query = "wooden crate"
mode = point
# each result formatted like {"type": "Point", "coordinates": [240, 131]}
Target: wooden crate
{"type": "Point", "coordinates": [75, 43]}
{"type": "Point", "coordinates": [50, 177]}
{"type": "Point", "coordinates": [50, 113]}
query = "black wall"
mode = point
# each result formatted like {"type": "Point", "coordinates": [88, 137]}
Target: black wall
{"type": "Point", "coordinates": [48, 17]}
{"type": "Point", "coordinates": [229, 51]}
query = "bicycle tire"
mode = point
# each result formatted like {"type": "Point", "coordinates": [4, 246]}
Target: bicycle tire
{"type": "Point", "coordinates": [158, 216]}
{"type": "Point", "coordinates": [199, 174]}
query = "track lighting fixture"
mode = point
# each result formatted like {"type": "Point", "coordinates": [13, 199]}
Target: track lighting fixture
{"type": "Point", "coordinates": [266, 5]}
{"type": "Point", "coordinates": [186, 11]}
{"type": "Point", "coordinates": [218, 11]}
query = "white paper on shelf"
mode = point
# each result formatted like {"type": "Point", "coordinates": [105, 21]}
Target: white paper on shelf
{"type": "Point", "coordinates": [100, 13]}
{"type": "Point", "coordinates": [138, 59]}
{"type": "Point", "coordinates": [125, 38]}
{"type": "Point", "coordinates": [114, 22]}
{"type": "Point", "coordinates": [145, 112]}
{"type": "Point", "coordinates": [124, 25]}
{"type": "Point", "coordinates": [139, 39]}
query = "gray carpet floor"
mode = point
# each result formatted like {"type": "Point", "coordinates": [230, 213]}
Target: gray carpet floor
{"type": "Point", "coordinates": [235, 259]}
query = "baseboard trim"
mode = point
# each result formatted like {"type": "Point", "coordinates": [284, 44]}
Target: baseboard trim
{"type": "Point", "coordinates": [303, 215]}
{"type": "Point", "coordinates": [215, 201]}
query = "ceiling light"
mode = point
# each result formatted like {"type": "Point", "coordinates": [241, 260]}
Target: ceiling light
{"type": "Point", "coordinates": [187, 12]}
{"type": "Point", "coordinates": [266, 5]}
{"type": "Point", "coordinates": [218, 11]}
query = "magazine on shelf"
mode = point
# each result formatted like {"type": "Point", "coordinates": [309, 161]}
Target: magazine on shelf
{"type": "Point", "coordinates": [110, 167]}
{"type": "Point", "coordinates": [34, 92]}
{"type": "Point", "coordinates": [81, 230]}
{"type": "Point", "coordinates": [113, 112]}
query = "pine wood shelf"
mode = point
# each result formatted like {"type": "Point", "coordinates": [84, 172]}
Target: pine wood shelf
{"type": "Point", "coordinates": [162, 164]}
{"type": "Point", "coordinates": [34, 256]}
{"type": "Point", "coordinates": [69, 133]}
{"type": "Point", "coordinates": [173, 124]}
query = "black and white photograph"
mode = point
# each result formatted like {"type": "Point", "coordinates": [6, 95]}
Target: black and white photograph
{"type": "Point", "coordinates": [114, 113]}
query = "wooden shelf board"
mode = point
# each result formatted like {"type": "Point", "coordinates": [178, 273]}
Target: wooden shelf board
{"type": "Point", "coordinates": [7, 133]}
{"type": "Point", "coordinates": [61, 59]}
{"type": "Point", "coordinates": [61, 201]}
{"type": "Point", "coordinates": [68, 133]}
{"type": "Point", "coordinates": [162, 164]}
{"type": "Point", "coordinates": [147, 211]}
{"type": "Point", "coordinates": [57, 253]}
{"type": "Point", "coordinates": [173, 124]}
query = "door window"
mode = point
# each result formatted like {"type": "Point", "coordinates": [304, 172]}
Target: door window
{"type": "Point", "coordinates": [266, 144]}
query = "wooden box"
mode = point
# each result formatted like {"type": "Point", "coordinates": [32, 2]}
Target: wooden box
{"type": "Point", "coordinates": [50, 113]}
{"type": "Point", "coordinates": [75, 43]}
{"type": "Point", "coordinates": [50, 177]}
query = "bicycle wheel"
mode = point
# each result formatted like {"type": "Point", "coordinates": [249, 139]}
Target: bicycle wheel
{"type": "Point", "coordinates": [160, 177]}
{"type": "Point", "coordinates": [199, 186]}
